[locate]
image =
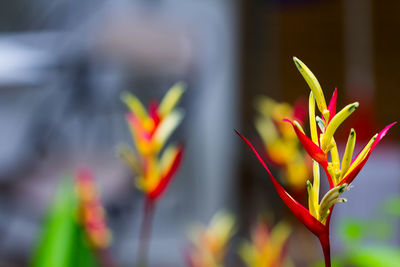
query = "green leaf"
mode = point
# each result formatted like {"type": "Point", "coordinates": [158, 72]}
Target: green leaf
{"type": "Point", "coordinates": [375, 256]}
{"type": "Point", "coordinates": [62, 242]}
{"type": "Point", "coordinates": [352, 231]}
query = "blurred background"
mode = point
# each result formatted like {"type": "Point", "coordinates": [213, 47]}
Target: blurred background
{"type": "Point", "coordinates": [64, 64]}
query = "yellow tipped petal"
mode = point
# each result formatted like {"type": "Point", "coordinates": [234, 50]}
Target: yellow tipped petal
{"type": "Point", "coordinates": [348, 153]}
{"type": "Point", "coordinates": [222, 224]}
{"type": "Point", "coordinates": [128, 156]}
{"type": "Point", "coordinates": [279, 235]}
{"type": "Point", "coordinates": [265, 105]}
{"type": "Point", "coordinates": [166, 127]}
{"type": "Point", "coordinates": [313, 83]}
{"type": "Point", "coordinates": [335, 122]}
{"type": "Point", "coordinates": [311, 202]}
{"type": "Point", "coordinates": [171, 99]}
{"type": "Point", "coordinates": [326, 115]}
{"type": "Point", "coordinates": [316, 184]}
{"type": "Point", "coordinates": [168, 157]}
{"type": "Point", "coordinates": [330, 199]}
{"type": "Point", "coordinates": [335, 161]}
{"type": "Point", "coordinates": [313, 124]}
{"type": "Point", "coordinates": [140, 183]}
{"type": "Point", "coordinates": [247, 253]}
{"type": "Point", "coordinates": [266, 129]}
{"type": "Point", "coordinates": [135, 105]}
{"type": "Point", "coordinates": [298, 126]}
{"type": "Point", "coordinates": [362, 154]}
{"type": "Point", "coordinates": [321, 124]}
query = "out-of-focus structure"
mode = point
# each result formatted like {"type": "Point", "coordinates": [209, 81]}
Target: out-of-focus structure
{"type": "Point", "coordinates": [63, 67]}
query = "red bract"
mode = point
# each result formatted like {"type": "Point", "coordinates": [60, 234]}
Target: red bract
{"type": "Point", "coordinates": [167, 177]}
{"type": "Point", "coordinates": [332, 105]}
{"type": "Point", "coordinates": [350, 176]}
{"type": "Point", "coordinates": [315, 226]}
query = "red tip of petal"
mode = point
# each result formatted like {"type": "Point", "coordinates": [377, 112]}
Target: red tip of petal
{"type": "Point", "coordinates": [166, 179]}
{"type": "Point", "coordinates": [312, 149]}
{"type": "Point", "coordinates": [153, 111]}
{"type": "Point", "coordinates": [297, 209]}
{"type": "Point", "coordinates": [382, 134]}
{"type": "Point", "coordinates": [352, 175]}
{"type": "Point", "coordinates": [332, 105]}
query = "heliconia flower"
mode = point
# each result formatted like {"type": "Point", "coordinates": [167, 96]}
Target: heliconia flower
{"type": "Point", "coordinates": [150, 130]}
{"type": "Point", "coordinates": [209, 244]}
{"type": "Point", "coordinates": [90, 210]}
{"type": "Point", "coordinates": [280, 142]}
{"type": "Point", "coordinates": [268, 246]}
{"type": "Point", "coordinates": [320, 145]}
{"type": "Point", "coordinates": [317, 217]}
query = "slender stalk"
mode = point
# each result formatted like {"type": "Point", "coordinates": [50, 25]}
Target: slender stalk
{"type": "Point", "coordinates": [325, 242]}
{"type": "Point", "coordinates": [145, 231]}
{"type": "Point", "coordinates": [324, 239]}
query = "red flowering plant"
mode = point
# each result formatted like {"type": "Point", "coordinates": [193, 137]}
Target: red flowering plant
{"type": "Point", "coordinates": [268, 246]}
{"type": "Point", "coordinates": [91, 216]}
{"type": "Point", "coordinates": [281, 145]}
{"type": "Point", "coordinates": [340, 174]}
{"type": "Point", "coordinates": [153, 165]}
{"type": "Point", "coordinates": [209, 244]}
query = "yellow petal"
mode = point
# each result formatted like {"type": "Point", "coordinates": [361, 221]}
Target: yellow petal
{"type": "Point", "coordinates": [248, 254]}
{"type": "Point", "coordinates": [313, 125]}
{"type": "Point", "coordinates": [129, 157]}
{"type": "Point", "coordinates": [320, 123]}
{"type": "Point", "coordinates": [362, 155]}
{"type": "Point", "coordinates": [298, 126]}
{"type": "Point", "coordinates": [267, 130]}
{"type": "Point", "coordinates": [167, 158]}
{"type": "Point", "coordinates": [348, 153]}
{"type": "Point", "coordinates": [314, 197]}
{"type": "Point", "coordinates": [222, 224]}
{"type": "Point", "coordinates": [330, 199]}
{"type": "Point", "coordinates": [335, 161]}
{"type": "Point", "coordinates": [335, 122]}
{"type": "Point", "coordinates": [279, 235]}
{"type": "Point", "coordinates": [166, 128]}
{"type": "Point", "coordinates": [171, 99]}
{"type": "Point", "coordinates": [313, 83]}
{"type": "Point", "coordinates": [135, 105]}
{"type": "Point", "coordinates": [265, 105]}
{"type": "Point", "coordinates": [312, 208]}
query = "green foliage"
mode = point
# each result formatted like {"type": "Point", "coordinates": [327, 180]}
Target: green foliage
{"type": "Point", "coordinates": [63, 242]}
{"type": "Point", "coordinates": [392, 206]}
{"type": "Point", "coordinates": [354, 233]}
{"type": "Point", "coordinates": [375, 256]}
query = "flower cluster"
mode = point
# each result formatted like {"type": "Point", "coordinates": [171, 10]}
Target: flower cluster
{"type": "Point", "coordinates": [150, 131]}
{"type": "Point", "coordinates": [281, 144]}
{"type": "Point", "coordinates": [268, 246]}
{"type": "Point", "coordinates": [340, 174]}
{"type": "Point", "coordinates": [209, 244]}
{"type": "Point", "coordinates": [90, 210]}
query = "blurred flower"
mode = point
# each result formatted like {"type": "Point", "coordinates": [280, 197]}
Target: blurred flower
{"type": "Point", "coordinates": [281, 143]}
{"type": "Point", "coordinates": [150, 131]}
{"type": "Point", "coordinates": [317, 217]}
{"type": "Point", "coordinates": [267, 247]}
{"type": "Point", "coordinates": [90, 211]}
{"type": "Point", "coordinates": [209, 244]}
